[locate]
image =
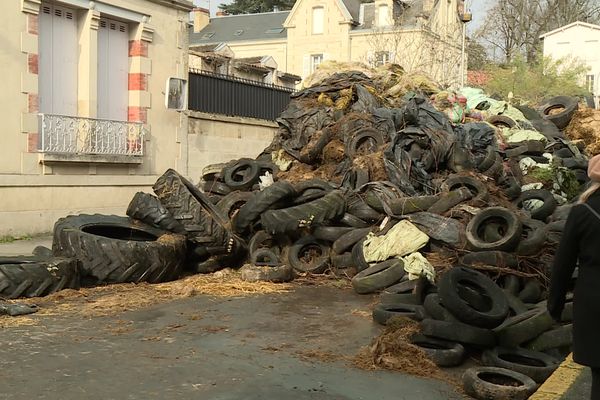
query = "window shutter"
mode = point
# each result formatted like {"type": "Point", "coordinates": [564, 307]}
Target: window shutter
{"type": "Point", "coordinates": [306, 66]}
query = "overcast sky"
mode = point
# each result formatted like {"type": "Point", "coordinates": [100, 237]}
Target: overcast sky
{"type": "Point", "coordinates": [478, 8]}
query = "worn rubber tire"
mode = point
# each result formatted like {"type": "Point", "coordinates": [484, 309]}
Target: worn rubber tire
{"type": "Point", "coordinates": [136, 252]}
{"type": "Point", "coordinates": [544, 195]}
{"type": "Point", "coordinates": [536, 365]}
{"type": "Point", "coordinates": [259, 273]}
{"type": "Point", "coordinates": [408, 205]}
{"type": "Point", "coordinates": [523, 327]}
{"type": "Point", "coordinates": [317, 212]}
{"type": "Point", "coordinates": [262, 240]}
{"type": "Point", "coordinates": [512, 233]}
{"type": "Point", "coordinates": [501, 121]}
{"type": "Point", "coordinates": [317, 266]}
{"type": "Point", "coordinates": [476, 386]}
{"type": "Point", "coordinates": [562, 119]}
{"type": "Point", "coordinates": [359, 137]}
{"type": "Point", "coordinates": [250, 175]}
{"type": "Point", "coordinates": [349, 239]}
{"type": "Point", "coordinates": [261, 201]}
{"type": "Point", "coordinates": [27, 276]}
{"type": "Point", "coordinates": [478, 190]}
{"type": "Point", "coordinates": [382, 313]}
{"type": "Point", "coordinates": [434, 307]}
{"type": "Point", "coordinates": [531, 292]}
{"type": "Point", "coordinates": [450, 199]}
{"type": "Point", "coordinates": [358, 256]}
{"type": "Point", "coordinates": [147, 208]}
{"type": "Point", "coordinates": [231, 203]}
{"type": "Point", "coordinates": [342, 261]}
{"type": "Point", "coordinates": [331, 233]}
{"type": "Point", "coordinates": [552, 339]}
{"type": "Point", "coordinates": [203, 221]}
{"type": "Point", "coordinates": [450, 295]}
{"type": "Point", "coordinates": [378, 277]}
{"type": "Point", "coordinates": [510, 186]}
{"type": "Point", "coordinates": [442, 352]}
{"type": "Point", "coordinates": [215, 188]}
{"type": "Point", "coordinates": [489, 159]}
{"type": "Point", "coordinates": [353, 221]}
{"type": "Point", "coordinates": [42, 251]}
{"type": "Point", "coordinates": [458, 332]}
{"type": "Point", "coordinates": [264, 258]}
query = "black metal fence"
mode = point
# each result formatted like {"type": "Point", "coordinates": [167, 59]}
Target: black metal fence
{"type": "Point", "coordinates": [228, 95]}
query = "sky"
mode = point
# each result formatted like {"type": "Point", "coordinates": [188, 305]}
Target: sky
{"type": "Point", "coordinates": [478, 8]}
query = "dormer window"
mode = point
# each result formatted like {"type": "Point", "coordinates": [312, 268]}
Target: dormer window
{"type": "Point", "coordinates": [318, 20]}
{"type": "Point", "coordinates": [383, 15]}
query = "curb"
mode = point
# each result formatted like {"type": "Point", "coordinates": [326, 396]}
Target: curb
{"type": "Point", "coordinates": [560, 381]}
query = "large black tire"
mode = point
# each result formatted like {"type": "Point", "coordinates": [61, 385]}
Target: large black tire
{"type": "Point", "coordinates": [489, 314]}
{"type": "Point", "coordinates": [310, 190]}
{"type": "Point", "coordinates": [501, 121]}
{"type": "Point", "coordinates": [485, 383]}
{"type": "Point", "coordinates": [536, 365]}
{"type": "Point", "coordinates": [349, 239]}
{"type": "Point", "coordinates": [443, 353]}
{"type": "Point", "coordinates": [543, 212]}
{"type": "Point", "coordinates": [116, 249]}
{"type": "Point", "coordinates": [276, 273]}
{"type": "Point", "coordinates": [330, 233]}
{"type": "Point", "coordinates": [317, 212]}
{"type": "Point", "coordinates": [450, 200]}
{"type": "Point", "coordinates": [260, 202]}
{"type": "Point", "coordinates": [231, 203]}
{"type": "Point", "coordinates": [203, 221]}
{"type": "Point", "coordinates": [241, 175]}
{"type": "Point", "coordinates": [512, 230]}
{"type": "Point", "coordinates": [562, 119]}
{"type": "Point", "coordinates": [318, 264]}
{"type": "Point", "coordinates": [384, 312]}
{"type": "Point", "coordinates": [553, 339]}
{"type": "Point", "coordinates": [24, 276]}
{"type": "Point", "coordinates": [148, 209]}
{"type": "Point", "coordinates": [372, 136]}
{"type": "Point", "coordinates": [448, 231]}
{"type": "Point", "coordinates": [475, 186]}
{"type": "Point", "coordinates": [535, 234]}
{"type": "Point", "coordinates": [458, 332]}
{"type": "Point", "coordinates": [379, 276]}
{"type": "Point", "coordinates": [493, 258]}
{"type": "Point", "coordinates": [434, 307]}
{"type": "Point", "coordinates": [523, 327]}
{"type": "Point", "coordinates": [405, 292]}
{"type": "Point", "coordinates": [408, 205]}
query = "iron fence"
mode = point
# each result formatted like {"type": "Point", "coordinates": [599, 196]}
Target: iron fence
{"type": "Point", "coordinates": [76, 135]}
{"type": "Point", "coordinates": [228, 95]}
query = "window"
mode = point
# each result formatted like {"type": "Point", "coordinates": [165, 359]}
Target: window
{"type": "Point", "coordinates": [318, 20]}
{"type": "Point", "coordinates": [315, 61]}
{"type": "Point", "coordinates": [589, 83]}
{"type": "Point", "coordinates": [383, 15]}
{"type": "Point", "coordinates": [58, 52]}
{"type": "Point", "coordinates": [113, 68]}
{"type": "Point", "coordinates": [382, 57]}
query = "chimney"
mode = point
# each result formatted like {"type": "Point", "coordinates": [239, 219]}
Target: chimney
{"type": "Point", "coordinates": [221, 13]}
{"type": "Point", "coordinates": [201, 18]}
{"type": "Point", "coordinates": [275, 9]}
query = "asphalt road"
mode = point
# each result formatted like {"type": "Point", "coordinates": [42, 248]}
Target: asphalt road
{"type": "Point", "coordinates": [277, 346]}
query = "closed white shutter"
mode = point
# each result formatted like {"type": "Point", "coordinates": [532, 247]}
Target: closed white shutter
{"type": "Point", "coordinates": [113, 97]}
{"type": "Point", "coordinates": [58, 52]}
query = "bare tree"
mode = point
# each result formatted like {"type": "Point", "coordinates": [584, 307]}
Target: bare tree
{"type": "Point", "coordinates": [514, 26]}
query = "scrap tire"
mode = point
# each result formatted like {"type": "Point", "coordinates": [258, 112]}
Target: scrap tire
{"type": "Point", "coordinates": [501, 121]}
{"type": "Point", "coordinates": [349, 239]}
{"type": "Point", "coordinates": [361, 136]}
{"type": "Point", "coordinates": [116, 249]}
{"type": "Point", "coordinates": [147, 208]}
{"type": "Point", "coordinates": [358, 256]}
{"type": "Point", "coordinates": [450, 295]}
{"type": "Point", "coordinates": [477, 387]}
{"type": "Point", "coordinates": [535, 234]}
{"type": "Point", "coordinates": [26, 276]}
{"type": "Point", "coordinates": [511, 237]}
{"type": "Point", "coordinates": [251, 174]}
{"type": "Point", "coordinates": [458, 332]}
{"type": "Point", "coordinates": [493, 258]}
{"type": "Point", "coordinates": [434, 307]}
{"type": "Point", "coordinates": [379, 276]}
{"type": "Point", "coordinates": [267, 273]}
{"type": "Point", "coordinates": [544, 195]}
{"type": "Point", "coordinates": [523, 327]}
{"type": "Point", "coordinates": [317, 212]}
{"type": "Point", "coordinates": [478, 189]}
{"type": "Point", "coordinates": [442, 352]}
{"type": "Point", "coordinates": [382, 313]}
{"type": "Point", "coordinates": [316, 266]}
{"type": "Point", "coordinates": [231, 203]}
{"type": "Point", "coordinates": [331, 233]}
{"type": "Point", "coordinates": [203, 221]}
{"type": "Point", "coordinates": [260, 202]}
{"type": "Point", "coordinates": [262, 240]}
{"type": "Point", "coordinates": [553, 339]}
{"type": "Point", "coordinates": [536, 365]}
{"type": "Point", "coordinates": [562, 119]}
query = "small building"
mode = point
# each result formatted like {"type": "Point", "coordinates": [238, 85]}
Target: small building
{"type": "Point", "coordinates": [85, 123]}
{"type": "Point", "coordinates": [423, 35]}
{"type": "Point", "coordinates": [581, 41]}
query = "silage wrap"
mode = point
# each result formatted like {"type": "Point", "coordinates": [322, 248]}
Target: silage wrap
{"type": "Point", "coordinates": [404, 238]}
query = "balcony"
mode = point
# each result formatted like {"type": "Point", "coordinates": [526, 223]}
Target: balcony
{"type": "Point", "coordinates": [78, 139]}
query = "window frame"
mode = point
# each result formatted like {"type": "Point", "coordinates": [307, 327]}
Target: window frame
{"type": "Point", "coordinates": [313, 59]}
{"type": "Point", "coordinates": [314, 25]}
{"type": "Point", "coordinates": [590, 82]}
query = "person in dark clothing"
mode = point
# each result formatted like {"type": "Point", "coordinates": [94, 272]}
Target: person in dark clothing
{"type": "Point", "coordinates": [580, 246]}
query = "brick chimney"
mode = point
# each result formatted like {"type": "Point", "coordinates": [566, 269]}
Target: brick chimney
{"type": "Point", "coordinates": [221, 13]}
{"type": "Point", "coordinates": [201, 18]}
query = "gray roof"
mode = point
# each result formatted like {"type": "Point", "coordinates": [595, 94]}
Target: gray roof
{"type": "Point", "coordinates": [234, 28]}
{"type": "Point", "coordinates": [353, 7]}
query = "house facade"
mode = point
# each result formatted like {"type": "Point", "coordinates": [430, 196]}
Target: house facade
{"type": "Point", "coordinates": [420, 35]}
{"type": "Point", "coordinates": [581, 41]}
{"type": "Point", "coordinates": [85, 123]}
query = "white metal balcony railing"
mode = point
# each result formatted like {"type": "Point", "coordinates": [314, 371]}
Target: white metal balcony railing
{"type": "Point", "coordinates": [90, 136]}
